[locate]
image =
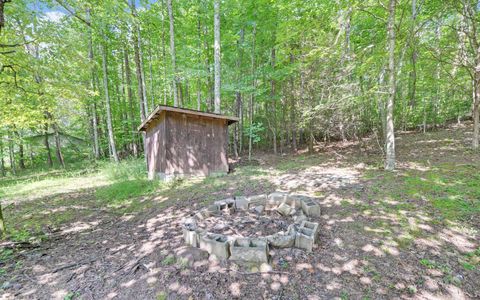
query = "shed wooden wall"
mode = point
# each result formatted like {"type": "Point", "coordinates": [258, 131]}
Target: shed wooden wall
{"type": "Point", "coordinates": [184, 144]}
{"type": "Point", "coordinates": [155, 147]}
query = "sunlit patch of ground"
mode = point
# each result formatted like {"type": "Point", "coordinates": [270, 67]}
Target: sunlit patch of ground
{"type": "Point", "coordinates": [413, 233]}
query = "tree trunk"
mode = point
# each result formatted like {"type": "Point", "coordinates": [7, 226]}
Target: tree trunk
{"type": "Point", "coordinates": [274, 104]}
{"type": "Point", "coordinates": [128, 78]}
{"type": "Point", "coordinates": [172, 50]}
{"type": "Point", "coordinates": [47, 144]}
{"type": "Point", "coordinates": [238, 96]}
{"type": "Point", "coordinates": [21, 154]}
{"type": "Point", "coordinates": [390, 138]}
{"type": "Point", "coordinates": [11, 155]}
{"type": "Point", "coordinates": [111, 138]}
{"type": "Point", "coordinates": [252, 95]}
{"type": "Point", "coordinates": [476, 103]}
{"type": "Point", "coordinates": [208, 69]}
{"type": "Point", "coordinates": [293, 112]}
{"type": "Point", "coordinates": [96, 145]}
{"type": "Point", "coordinates": [2, 160]}
{"type": "Point", "coordinates": [58, 145]}
{"type": "Point", "coordinates": [217, 55]}
{"type": "Point", "coordinates": [3, 230]}
{"type": "Point", "coordinates": [152, 90]}
{"type": "Point", "coordinates": [413, 41]}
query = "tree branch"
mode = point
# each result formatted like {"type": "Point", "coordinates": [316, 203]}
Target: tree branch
{"type": "Point", "coordinates": [73, 13]}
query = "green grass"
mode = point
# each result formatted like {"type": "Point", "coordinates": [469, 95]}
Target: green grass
{"type": "Point", "coordinates": [453, 191]}
{"type": "Point", "coordinates": [119, 192]}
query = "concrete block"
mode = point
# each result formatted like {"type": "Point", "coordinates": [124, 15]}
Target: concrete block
{"type": "Point", "coordinates": [211, 210]}
{"type": "Point", "coordinates": [226, 205]}
{"type": "Point", "coordinates": [257, 200]}
{"type": "Point", "coordinates": [285, 209]}
{"type": "Point", "coordinates": [295, 200]}
{"type": "Point", "coordinates": [275, 199]}
{"type": "Point", "coordinates": [313, 226]}
{"type": "Point", "coordinates": [282, 239]}
{"type": "Point", "coordinates": [215, 244]}
{"type": "Point", "coordinates": [310, 207]}
{"type": "Point", "coordinates": [241, 203]}
{"type": "Point", "coordinates": [192, 236]}
{"type": "Point", "coordinates": [251, 250]}
{"type": "Point", "coordinates": [189, 256]}
{"type": "Point", "coordinates": [305, 239]}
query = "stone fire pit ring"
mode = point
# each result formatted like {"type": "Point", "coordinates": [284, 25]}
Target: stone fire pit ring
{"type": "Point", "coordinates": [301, 233]}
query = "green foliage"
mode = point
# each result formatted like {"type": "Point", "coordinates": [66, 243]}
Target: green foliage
{"type": "Point", "coordinates": [119, 192]}
{"type": "Point", "coordinates": [254, 131]}
{"type": "Point", "coordinates": [130, 169]}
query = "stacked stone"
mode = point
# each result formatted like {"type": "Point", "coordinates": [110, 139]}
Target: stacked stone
{"type": "Point", "coordinates": [302, 234]}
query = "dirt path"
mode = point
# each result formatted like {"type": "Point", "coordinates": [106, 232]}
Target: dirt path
{"type": "Point", "coordinates": [373, 245]}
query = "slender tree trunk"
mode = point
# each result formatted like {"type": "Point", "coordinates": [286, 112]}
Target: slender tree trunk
{"type": "Point", "coordinates": [2, 160]}
{"type": "Point", "coordinates": [274, 104]}
{"type": "Point", "coordinates": [21, 154]}
{"type": "Point", "coordinates": [238, 96]}
{"type": "Point", "coordinates": [58, 145]}
{"type": "Point", "coordinates": [164, 57]}
{"type": "Point", "coordinates": [3, 229]}
{"type": "Point", "coordinates": [199, 43]}
{"type": "Point", "coordinates": [152, 91]}
{"type": "Point", "coordinates": [390, 139]}
{"type": "Point", "coordinates": [293, 112]}
{"type": "Point", "coordinates": [172, 50]}
{"type": "Point", "coordinates": [208, 69]}
{"type": "Point", "coordinates": [111, 138]}
{"type": "Point", "coordinates": [252, 95]}
{"type": "Point", "coordinates": [217, 55]}
{"type": "Point", "coordinates": [413, 41]}
{"type": "Point", "coordinates": [47, 143]}
{"type": "Point", "coordinates": [128, 78]}
{"type": "Point", "coordinates": [96, 144]}
{"type": "Point", "coordinates": [11, 152]}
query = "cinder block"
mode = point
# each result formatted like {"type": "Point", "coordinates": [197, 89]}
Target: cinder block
{"type": "Point", "coordinates": [241, 203]}
{"type": "Point", "coordinates": [313, 226]}
{"type": "Point", "coordinates": [295, 200]}
{"type": "Point", "coordinates": [226, 204]}
{"type": "Point", "coordinates": [211, 210]}
{"type": "Point", "coordinates": [257, 200]}
{"type": "Point", "coordinates": [275, 199]}
{"type": "Point", "coordinates": [215, 244]}
{"type": "Point", "coordinates": [304, 239]}
{"type": "Point", "coordinates": [281, 239]}
{"type": "Point", "coordinates": [310, 207]}
{"type": "Point", "coordinates": [285, 209]}
{"type": "Point", "coordinates": [251, 250]}
{"type": "Point", "coordinates": [192, 237]}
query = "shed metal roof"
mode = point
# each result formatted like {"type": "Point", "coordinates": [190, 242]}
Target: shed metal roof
{"type": "Point", "coordinates": [159, 109]}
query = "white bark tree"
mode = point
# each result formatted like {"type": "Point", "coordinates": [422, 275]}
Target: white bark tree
{"type": "Point", "coordinates": [172, 50]}
{"type": "Point", "coordinates": [217, 55]}
{"type": "Point", "coordinates": [390, 132]}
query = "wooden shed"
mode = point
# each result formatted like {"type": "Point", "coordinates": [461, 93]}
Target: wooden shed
{"type": "Point", "coordinates": [183, 142]}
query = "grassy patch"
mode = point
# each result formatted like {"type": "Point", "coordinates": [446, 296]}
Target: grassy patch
{"type": "Point", "coordinates": [118, 193]}
{"type": "Point", "coordinates": [453, 191]}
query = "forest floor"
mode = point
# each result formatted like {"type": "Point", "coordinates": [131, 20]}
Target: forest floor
{"type": "Point", "coordinates": [412, 233]}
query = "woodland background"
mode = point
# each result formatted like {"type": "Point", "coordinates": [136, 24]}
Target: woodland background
{"type": "Point", "coordinates": [77, 77]}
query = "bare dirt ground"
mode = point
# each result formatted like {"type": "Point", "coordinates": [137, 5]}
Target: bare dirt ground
{"type": "Point", "coordinates": [383, 235]}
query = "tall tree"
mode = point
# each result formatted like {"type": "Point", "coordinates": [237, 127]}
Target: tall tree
{"type": "Point", "coordinates": [217, 55]}
{"type": "Point", "coordinates": [172, 52]}
{"type": "Point", "coordinates": [111, 136]}
{"type": "Point", "coordinates": [390, 134]}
